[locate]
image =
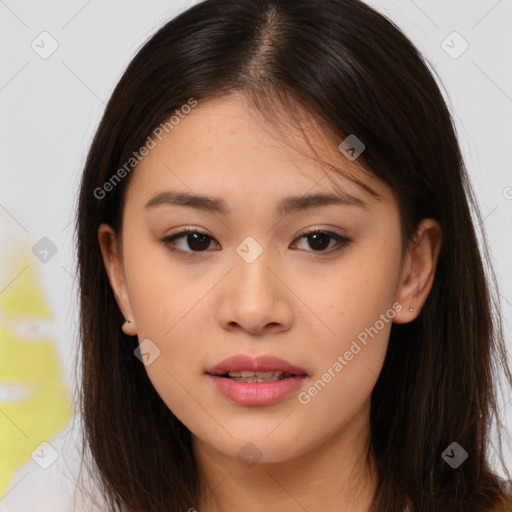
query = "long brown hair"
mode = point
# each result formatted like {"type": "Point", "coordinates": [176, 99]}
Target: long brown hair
{"type": "Point", "coordinates": [356, 72]}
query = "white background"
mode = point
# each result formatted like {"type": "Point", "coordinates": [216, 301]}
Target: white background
{"type": "Point", "coordinates": [50, 109]}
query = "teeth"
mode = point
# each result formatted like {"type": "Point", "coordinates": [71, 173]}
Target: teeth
{"type": "Point", "coordinates": [250, 373]}
{"type": "Point", "coordinates": [255, 379]}
{"type": "Point", "coordinates": [251, 376]}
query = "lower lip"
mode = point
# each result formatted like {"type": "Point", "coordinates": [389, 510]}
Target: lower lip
{"type": "Point", "coordinates": [257, 393]}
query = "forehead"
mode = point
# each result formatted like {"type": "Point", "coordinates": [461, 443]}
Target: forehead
{"type": "Point", "coordinates": [226, 144]}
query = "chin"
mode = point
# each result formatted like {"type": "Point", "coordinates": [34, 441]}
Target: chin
{"type": "Point", "coordinates": [260, 449]}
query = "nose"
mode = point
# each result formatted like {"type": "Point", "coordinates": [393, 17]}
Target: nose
{"type": "Point", "coordinates": [254, 299]}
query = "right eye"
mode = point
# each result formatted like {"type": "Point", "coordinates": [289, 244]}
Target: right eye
{"type": "Point", "coordinates": [196, 240]}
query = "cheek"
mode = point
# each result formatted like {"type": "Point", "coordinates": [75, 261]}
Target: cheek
{"type": "Point", "coordinates": [352, 294]}
{"type": "Point", "coordinates": [171, 308]}
{"type": "Point", "coordinates": [163, 292]}
{"type": "Point", "coordinates": [347, 363]}
{"type": "Point", "coordinates": [356, 309]}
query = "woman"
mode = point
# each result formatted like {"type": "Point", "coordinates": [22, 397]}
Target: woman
{"type": "Point", "coordinates": [283, 303]}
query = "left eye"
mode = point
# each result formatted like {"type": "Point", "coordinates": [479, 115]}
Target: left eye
{"type": "Point", "coordinates": [197, 241]}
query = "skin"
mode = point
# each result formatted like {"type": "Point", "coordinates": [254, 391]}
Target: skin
{"type": "Point", "coordinates": [294, 301]}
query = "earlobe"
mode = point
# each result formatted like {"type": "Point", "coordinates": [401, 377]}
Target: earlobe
{"type": "Point", "coordinates": [129, 328]}
{"type": "Point", "coordinates": [418, 270]}
{"type": "Point", "coordinates": [113, 263]}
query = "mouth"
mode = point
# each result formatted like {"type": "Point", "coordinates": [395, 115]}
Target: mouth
{"type": "Point", "coordinates": [249, 376]}
{"type": "Point", "coordinates": [264, 368]}
{"type": "Point", "coordinates": [259, 381]}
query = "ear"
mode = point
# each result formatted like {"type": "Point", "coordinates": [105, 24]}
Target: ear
{"type": "Point", "coordinates": [113, 262]}
{"type": "Point", "coordinates": [418, 270]}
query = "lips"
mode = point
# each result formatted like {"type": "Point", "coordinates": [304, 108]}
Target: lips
{"type": "Point", "coordinates": [268, 368]}
{"type": "Point", "coordinates": [260, 381]}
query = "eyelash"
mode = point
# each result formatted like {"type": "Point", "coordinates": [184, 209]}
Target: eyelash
{"type": "Point", "coordinates": [342, 241]}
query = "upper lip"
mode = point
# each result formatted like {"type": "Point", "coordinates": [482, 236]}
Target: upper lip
{"type": "Point", "coordinates": [262, 363]}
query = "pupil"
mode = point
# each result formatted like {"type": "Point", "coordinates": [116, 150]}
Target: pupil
{"type": "Point", "coordinates": [322, 237]}
{"type": "Point", "coordinates": [199, 246]}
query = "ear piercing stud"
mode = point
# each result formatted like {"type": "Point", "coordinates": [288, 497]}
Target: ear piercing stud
{"type": "Point", "coordinates": [125, 326]}
{"type": "Point", "coordinates": [412, 310]}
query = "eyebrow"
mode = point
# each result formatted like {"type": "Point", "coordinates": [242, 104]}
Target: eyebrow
{"type": "Point", "coordinates": [285, 206]}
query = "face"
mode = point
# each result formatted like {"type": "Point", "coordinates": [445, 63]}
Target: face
{"type": "Point", "coordinates": [254, 283]}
